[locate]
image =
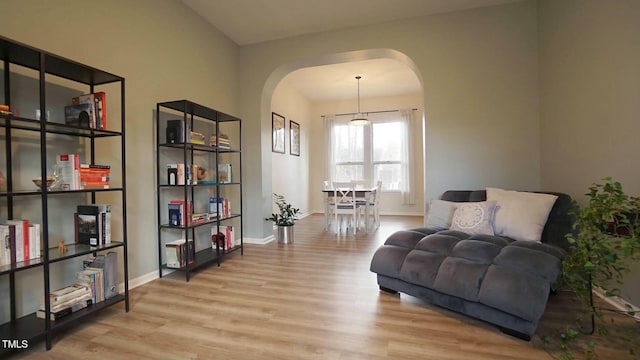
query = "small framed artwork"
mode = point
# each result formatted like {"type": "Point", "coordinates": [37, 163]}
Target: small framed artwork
{"type": "Point", "coordinates": [294, 138]}
{"type": "Point", "coordinates": [277, 133]}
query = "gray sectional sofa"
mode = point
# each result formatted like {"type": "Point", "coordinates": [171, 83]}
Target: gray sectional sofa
{"type": "Point", "coordinates": [496, 279]}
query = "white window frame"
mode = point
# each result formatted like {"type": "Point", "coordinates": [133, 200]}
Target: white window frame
{"type": "Point", "coordinates": [368, 164]}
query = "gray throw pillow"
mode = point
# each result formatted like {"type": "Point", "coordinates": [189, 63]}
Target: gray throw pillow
{"type": "Point", "coordinates": [440, 214]}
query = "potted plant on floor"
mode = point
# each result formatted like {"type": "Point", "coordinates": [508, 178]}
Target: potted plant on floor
{"type": "Point", "coordinates": [605, 240]}
{"type": "Point", "coordinates": [284, 219]}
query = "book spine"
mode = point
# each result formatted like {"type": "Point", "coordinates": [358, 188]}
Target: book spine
{"type": "Point", "coordinates": [5, 245]}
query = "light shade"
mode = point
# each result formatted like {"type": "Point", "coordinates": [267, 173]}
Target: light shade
{"type": "Point", "coordinates": [358, 118]}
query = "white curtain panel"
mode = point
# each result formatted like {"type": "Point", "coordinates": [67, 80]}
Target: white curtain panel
{"type": "Point", "coordinates": [329, 121]}
{"type": "Point", "coordinates": [408, 168]}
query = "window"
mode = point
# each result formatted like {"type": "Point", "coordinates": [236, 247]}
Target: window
{"type": "Point", "coordinates": [377, 151]}
{"type": "Point", "coordinates": [387, 154]}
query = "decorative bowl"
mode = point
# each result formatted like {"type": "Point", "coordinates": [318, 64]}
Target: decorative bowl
{"type": "Point", "coordinates": [38, 181]}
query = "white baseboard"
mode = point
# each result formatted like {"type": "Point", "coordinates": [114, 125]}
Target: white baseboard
{"type": "Point", "coordinates": [258, 241]}
{"type": "Point", "coordinates": [140, 280]}
{"type": "Point", "coordinates": [618, 302]}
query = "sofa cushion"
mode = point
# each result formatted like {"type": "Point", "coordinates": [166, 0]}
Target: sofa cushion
{"type": "Point", "coordinates": [474, 217]}
{"type": "Point", "coordinates": [520, 215]}
{"type": "Point", "coordinates": [460, 278]}
{"type": "Point", "coordinates": [406, 239]}
{"type": "Point", "coordinates": [421, 267]}
{"type": "Point", "coordinates": [533, 262]}
{"type": "Point", "coordinates": [441, 242]}
{"type": "Point", "coordinates": [388, 260]}
{"type": "Point", "coordinates": [514, 292]}
{"type": "Point", "coordinates": [479, 251]}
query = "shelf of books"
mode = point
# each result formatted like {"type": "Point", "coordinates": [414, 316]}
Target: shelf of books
{"type": "Point", "coordinates": [58, 200]}
{"type": "Point", "coordinates": [199, 162]}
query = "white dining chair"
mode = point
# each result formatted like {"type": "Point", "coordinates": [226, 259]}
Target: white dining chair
{"type": "Point", "coordinates": [374, 204]}
{"type": "Point", "coordinates": [345, 205]}
{"type": "Point", "coordinates": [328, 204]}
{"type": "Point", "coordinates": [369, 207]}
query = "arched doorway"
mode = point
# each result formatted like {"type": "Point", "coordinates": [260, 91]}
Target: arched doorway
{"type": "Point", "coordinates": [298, 177]}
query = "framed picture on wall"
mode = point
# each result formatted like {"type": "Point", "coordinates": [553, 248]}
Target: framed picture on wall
{"type": "Point", "coordinates": [294, 138]}
{"type": "Point", "coordinates": [277, 133]}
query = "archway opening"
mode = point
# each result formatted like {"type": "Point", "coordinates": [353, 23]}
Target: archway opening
{"type": "Point", "coordinates": [300, 177]}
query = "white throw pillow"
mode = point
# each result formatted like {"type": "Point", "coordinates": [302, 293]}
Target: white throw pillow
{"type": "Point", "coordinates": [474, 217]}
{"type": "Point", "coordinates": [440, 214]}
{"type": "Point", "coordinates": [520, 215]}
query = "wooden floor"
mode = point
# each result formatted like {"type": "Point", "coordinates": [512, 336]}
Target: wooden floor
{"type": "Point", "coordinates": [313, 299]}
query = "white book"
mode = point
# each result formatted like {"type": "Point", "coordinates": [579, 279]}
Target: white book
{"type": "Point", "coordinates": [20, 235]}
{"type": "Point", "coordinates": [174, 254]}
{"type": "Point", "coordinates": [33, 252]}
{"type": "Point", "coordinates": [5, 249]}
{"type": "Point", "coordinates": [69, 165]}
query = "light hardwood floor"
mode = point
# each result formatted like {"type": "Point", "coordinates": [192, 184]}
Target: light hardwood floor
{"type": "Point", "coordinates": [313, 299]}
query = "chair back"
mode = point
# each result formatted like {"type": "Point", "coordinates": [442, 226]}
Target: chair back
{"type": "Point", "coordinates": [344, 195]}
{"type": "Point", "coordinates": [376, 193]}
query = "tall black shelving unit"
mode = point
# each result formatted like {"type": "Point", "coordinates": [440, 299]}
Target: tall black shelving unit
{"type": "Point", "coordinates": [14, 54]}
{"type": "Point", "coordinates": [192, 115]}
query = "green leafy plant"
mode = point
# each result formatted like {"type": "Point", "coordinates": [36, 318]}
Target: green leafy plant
{"type": "Point", "coordinates": [286, 215]}
{"type": "Point", "coordinates": [604, 241]}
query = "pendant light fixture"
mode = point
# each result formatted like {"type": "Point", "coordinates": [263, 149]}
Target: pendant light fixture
{"type": "Point", "coordinates": [359, 119]}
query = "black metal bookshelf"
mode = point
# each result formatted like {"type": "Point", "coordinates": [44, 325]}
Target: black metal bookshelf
{"type": "Point", "coordinates": [13, 54]}
{"type": "Point", "coordinates": [191, 114]}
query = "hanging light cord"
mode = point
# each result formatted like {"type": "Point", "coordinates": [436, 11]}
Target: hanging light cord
{"type": "Point", "coordinates": [359, 77]}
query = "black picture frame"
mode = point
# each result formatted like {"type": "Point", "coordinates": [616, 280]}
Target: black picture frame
{"type": "Point", "coordinates": [294, 138]}
{"type": "Point", "coordinates": [278, 127]}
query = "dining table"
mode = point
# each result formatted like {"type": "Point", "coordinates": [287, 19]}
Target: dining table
{"type": "Point", "coordinates": [363, 193]}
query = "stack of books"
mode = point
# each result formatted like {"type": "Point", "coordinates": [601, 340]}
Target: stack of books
{"type": "Point", "coordinates": [225, 237]}
{"type": "Point", "coordinates": [180, 212]}
{"type": "Point", "coordinates": [179, 253]}
{"type": "Point", "coordinates": [100, 275]}
{"type": "Point", "coordinates": [222, 141]}
{"type": "Point", "coordinates": [196, 138]}
{"type": "Point", "coordinates": [219, 207]}
{"type": "Point", "coordinates": [87, 111]}
{"type": "Point", "coordinates": [19, 241]}
{"type": "Point", "coordinates": [94, 176]}
{"type": "Point", "coordinates": [199, 218]}
{"type": "Point", "coordinates": [65, 301]}
{"type": "Point", "coordinates": [93, 224]}
{"type": "Point", "coordinates": [179, 174]}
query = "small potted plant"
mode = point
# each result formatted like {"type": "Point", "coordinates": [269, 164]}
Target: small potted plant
{"type": "Point", "coordinates": [284, 219]}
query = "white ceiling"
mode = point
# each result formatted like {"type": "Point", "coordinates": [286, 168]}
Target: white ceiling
{"type": "Point", "coordinates": [380, 77]}
{"type": "Point", "coordinates": [252, 21]}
